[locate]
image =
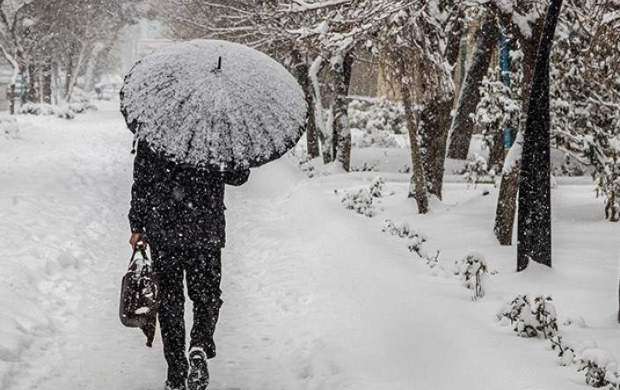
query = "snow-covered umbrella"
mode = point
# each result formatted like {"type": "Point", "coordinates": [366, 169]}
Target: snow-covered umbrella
{"type": "Point", "coordinates": [214, 104]}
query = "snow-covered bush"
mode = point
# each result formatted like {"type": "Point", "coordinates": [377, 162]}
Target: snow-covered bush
{"type": "Point", "coordinates": [599, 366]}
{"type": "Point", "coordinates": [415, 243]}
{"type": "Point", "coordinates": [65, 112]}
{"type": "Point", "coordinates": [473, 271]}
{"type": "Point", "coordinates": [565, 351]}
{"type": "Point", "coordinates": [431, 261]}
{"type": "Point", "coordinates": [585, 95]}
{"type": "Point", "coordinates": [82, 107]}
{"type": "Point", "coordinates": [377, 138]}
{"type": "Point", "coordinates": [499, 106]}
{"type": "Point", "coordinates": [475, 169]}
{"type": "Point", "coordinates": [607, 185]}
{"type": "Point", "coordinates": [377, 115]}
{"type": "Point", "coordinates": [46, 109]}
{"type": "Point", "coordinates": [381, 123]}
{"type": "Point", "coordinates": [303, 160]}
{"type": "Point", "coordinates": [366, 167]}
{"type": "Point", "coordinates": [531, 317]}
{"type": "Point", "coordinates": [402, 230]}
{"type": "Point", "coordinates": [569, 167]}
{"type": "Point", "coordinates": [377, 187]}
{"type": "Point", "coordinates": [613, 379]}
{"type": "Point", "coordinates": [362, 201]}
{"type": "Point", "coordinates": [307, 168]}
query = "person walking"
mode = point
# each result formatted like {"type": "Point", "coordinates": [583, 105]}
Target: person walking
{"type": "Point", "coordinates": [202, 113]}
{"type": "Point", "coordinates": [178, 210]}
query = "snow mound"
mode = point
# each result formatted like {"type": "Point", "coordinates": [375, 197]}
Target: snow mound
{"type": "Point", "coordinates": [247, 112]}
{"type": "Point", "coordinates": [9, 127]}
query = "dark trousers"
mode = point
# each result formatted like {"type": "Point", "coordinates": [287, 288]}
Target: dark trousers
{"type": "Point", "coordinates": [202, 267]}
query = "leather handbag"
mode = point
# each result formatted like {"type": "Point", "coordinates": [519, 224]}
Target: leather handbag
{"type": "Point", "coordinates": [139, 301]}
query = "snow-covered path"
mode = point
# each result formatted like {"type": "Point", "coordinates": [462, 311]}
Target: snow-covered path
{"type": "Point", "coordinates": [315, 297]}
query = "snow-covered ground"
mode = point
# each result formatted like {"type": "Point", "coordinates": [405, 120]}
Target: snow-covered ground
{"type": "Point", "coordinates": [316, 296]}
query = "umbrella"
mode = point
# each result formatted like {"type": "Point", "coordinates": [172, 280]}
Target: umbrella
{"type": "Point", "coordinates": [214, 104]}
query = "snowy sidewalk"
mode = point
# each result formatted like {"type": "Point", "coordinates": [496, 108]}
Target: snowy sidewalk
{"type": "Point", "coordinates": [315, 297]}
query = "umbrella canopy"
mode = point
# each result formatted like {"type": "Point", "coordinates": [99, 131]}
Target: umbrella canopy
{"type": "Point", "coordinates": [214, 104]}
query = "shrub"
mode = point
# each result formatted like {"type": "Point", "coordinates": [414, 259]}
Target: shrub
{"type": "Point", "coordinates": [473, 271]}
{"type": "Point", "coordinates": [360, 201]}
{"type": "Point", "coordinates": [46, 109]}
{"type": "Point", "coordinates": [566, 352]}
{"type": "Point", "coordinates": [531, 317]}
{"type": "Point", "coordinates": [475, 170]}
{"type": "Point", "coordinates": [65, 112]}
{"type": "Point", "coordinates": [599, 366]}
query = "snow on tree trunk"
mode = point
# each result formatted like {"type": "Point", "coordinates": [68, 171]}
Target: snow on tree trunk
{"type": "Point", "coordinates": [319, 112]}
{"type": "Point", "coordinates": [462, 125]}
{"type": "Point", "coordinates": [89, 75]}
{"type": "Point", "coordinates": [33, 83]}
{"type": "Point", "coordinates": [534, 223]}
{"type": "Point", "coordinates": [435, 125]}
{"type": "Point", "coordinates": [73, 72]}
{"type": "Point", "coordinates": [303, 76]}
{"type": "Point", "coordinates": [417, 188]}
{"type": "Point", "coordinates": [342, 65]}
{"type": "Point", "coordinates": [46, 81]}
{"type": "Point", "coordinates": [507, 200]}
{"type": "Point", "coordinates": [16, 71]}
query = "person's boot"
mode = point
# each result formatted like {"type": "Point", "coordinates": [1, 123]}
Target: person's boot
{"type": "Point", "coordinates": [198, 378]}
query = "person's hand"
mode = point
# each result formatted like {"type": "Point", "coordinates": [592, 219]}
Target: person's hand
{"type": "Point", "coordinates": [135, 239]}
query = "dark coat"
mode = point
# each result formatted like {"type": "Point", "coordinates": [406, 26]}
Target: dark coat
{"type": "Point", "coordinates": [178, 205]}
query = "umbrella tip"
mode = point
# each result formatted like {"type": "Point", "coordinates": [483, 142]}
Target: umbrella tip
{"type": "Point", "coordinates": [219, 66]}
{"type": "Point", "coordinates": [219, 63]}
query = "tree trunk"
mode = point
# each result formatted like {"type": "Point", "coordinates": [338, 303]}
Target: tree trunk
{"type": "Point", "coordinates": [73, 71]}
{"type": "Point", "coordinates": [435, 124]}
{"type": "Point", "coordinates": [417, 188]}
{"type": "Point", "coordinates": [535, 176]}
{"type": "Point", "coordinates": [46, 81]}
{"type": "Point", "coordinates": [496, 152]}
{"type": "Point", "coordinates": [341, 129]}
{"type": "Point", "coordinates": [327, 137]}
{"type": "Point", "coordinates": [506, 207]}
{"type": "Point", "coordinates": [68, 74]}
{"type": "Point", "coordinates": [453, 44]}
{"type": "Point", "coordinates": [319, 119]}
{"type": "Point", "coordinates": [33, 83]}
{"type": "Point", "coordinates": [89, 75]}
{"type": "Point", "coordinates": [312, 140]}
{"type": "Point", "coordinates": [462, 126]}
{"type": "Point", "coordinates": [303, 75]}
{"type": "Point", "coordinates": [507, 200]}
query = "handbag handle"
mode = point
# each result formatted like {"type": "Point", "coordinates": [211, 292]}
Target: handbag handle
{"type": "Point", "coordinates": [140, 247]}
